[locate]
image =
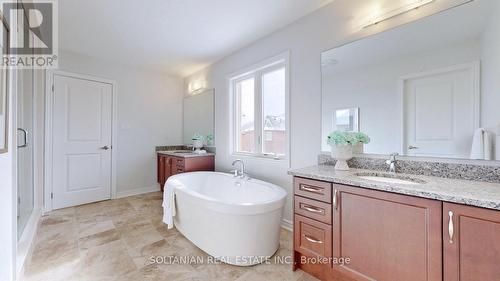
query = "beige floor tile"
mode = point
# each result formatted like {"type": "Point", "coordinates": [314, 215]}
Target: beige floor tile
{"type": "Point", "coordinates": [56, 219]}
{"type": "Point", "coordinates": [98, 239]}
{"type": "Point", "coordinates": [91, 228]}
{"type": "Point", "coordinates": [158, 248]}
{"type": "Point", "coordinates": [170, 272]}
{"type": "Point", "coordinates": [122, 219]}
{"type": "Point", "coordinates": [139, 235]}
{"type": "Point", "coordinates": [52, 233]}
{"type": "Point", "coordinates": [64, 271]}
{"type": "Point", "coordinates": [108, 260]}
{"type": "Point", "coordinates": [119, 209]}
{"type": "Point", "coordinates": [221, 271]}
{"type": "Point", "coordinates": [57, 250]}
{"type": "Point", "coordinates": [90, 213]}
{"type": "Point", "coordinates": [115, 240]}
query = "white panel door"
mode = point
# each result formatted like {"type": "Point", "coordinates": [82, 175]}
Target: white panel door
{"type": "Point", "coordinates": [82, 132]}
{"type": "Point", "coordinates": [439, 114]}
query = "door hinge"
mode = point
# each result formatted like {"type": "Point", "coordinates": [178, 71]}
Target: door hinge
{"type": "Point", "coordinates": [52, 88]}
{"type": "Point", "coordinates": [51, 195]}
{"type": "Point", "coordinates": [19, 200]}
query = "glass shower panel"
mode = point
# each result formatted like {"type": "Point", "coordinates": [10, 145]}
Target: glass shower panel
{"type": "Point", "coordinates": [25, 152]}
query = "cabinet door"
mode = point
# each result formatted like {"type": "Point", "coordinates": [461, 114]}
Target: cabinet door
{"type": "Point", "coordinates": [161, 170]}
{"type": "Point", "coordinates": [471, 238]}
{"type": "Point", "coordinates": [386, 236]}
{"type": "Point", "coordinates": [168, 167]}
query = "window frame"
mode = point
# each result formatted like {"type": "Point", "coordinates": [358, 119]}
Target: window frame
{"type": "Point", "coordinates": [256, 71]}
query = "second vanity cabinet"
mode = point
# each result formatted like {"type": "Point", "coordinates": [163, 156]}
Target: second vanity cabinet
{"type": "Point", "coordinates": [172, 165]}
{"type": "Point", "coordinates": [388, 236]}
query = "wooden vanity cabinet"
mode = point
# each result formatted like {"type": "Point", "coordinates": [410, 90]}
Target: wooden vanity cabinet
{"type": "Point", "coordinates": [171, 165]}
{"type": "Point", "coordinates": [386, 236]}
{"type": "Point", "coordinates": [471, 243]}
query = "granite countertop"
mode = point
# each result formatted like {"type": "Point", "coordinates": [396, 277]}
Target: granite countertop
{"type": "Point", "coordinates": [473, 193]}
{"type": "Point", "coordinates": [184, 154]}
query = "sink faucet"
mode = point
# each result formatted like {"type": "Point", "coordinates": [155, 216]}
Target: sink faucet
{"type": "Point", "coordinates": [392, 162]}
{"type": "Point", "coordinates": [241, 171]}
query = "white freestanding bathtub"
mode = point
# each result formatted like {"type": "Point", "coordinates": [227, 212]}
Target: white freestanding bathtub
{"type": "Point", "coordinates": [235, 220]}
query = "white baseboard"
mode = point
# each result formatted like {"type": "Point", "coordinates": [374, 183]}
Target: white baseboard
{"type": "Point", "coordinates": [136, 191]}
{"type": "Point", "coordinates": [25, 244]}
{"type": "Point", "coordinates": [287, 224]}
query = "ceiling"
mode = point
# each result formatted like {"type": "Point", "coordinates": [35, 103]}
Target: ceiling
{"type": "Point", "coordinates": [172, 36]}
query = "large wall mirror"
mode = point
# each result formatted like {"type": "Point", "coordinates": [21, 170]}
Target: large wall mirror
{"type": "Point", "coordinates": [428, 88]}
{"type": "Point", "coordinates": [199, 116]}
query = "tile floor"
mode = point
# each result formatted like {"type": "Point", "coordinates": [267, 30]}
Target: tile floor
{"type": "Point", "coordinates": [114, 240]}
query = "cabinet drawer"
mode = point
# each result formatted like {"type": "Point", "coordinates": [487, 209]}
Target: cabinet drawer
{"type": "Point", "coordinates": [312, 238]}
{"type": "Point", "coordinates": [318, 190]}
{"type": "Point", "coordinates": [179, 162]}
{"type": "Point", "coordinates": [313, 209]}
{"type": "Point", "coordinates": [177, 170]}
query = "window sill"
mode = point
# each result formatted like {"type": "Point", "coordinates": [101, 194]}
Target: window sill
{"type": "Point", "coordinates": [259, 156]}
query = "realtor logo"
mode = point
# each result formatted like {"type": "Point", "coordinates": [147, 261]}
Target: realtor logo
{"type": "Point", "coordinates": [34, 45]}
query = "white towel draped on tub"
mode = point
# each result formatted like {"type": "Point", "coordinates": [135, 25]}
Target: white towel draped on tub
{"type": "Point", "coordinates": [169, 204]}
{"type": "Point", "coordinates": [482, 145]}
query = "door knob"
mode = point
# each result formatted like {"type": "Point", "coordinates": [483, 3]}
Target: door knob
{"type": "Point", "coordinates": [105, 147]}
{"type": "Point", "coordinates": [412, 147]}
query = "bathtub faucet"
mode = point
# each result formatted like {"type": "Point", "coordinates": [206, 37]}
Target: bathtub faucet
{"type": "Point", "coordinates": [239, 172]}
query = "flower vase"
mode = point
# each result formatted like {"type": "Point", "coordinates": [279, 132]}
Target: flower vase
{"type": "Point", "coordinates": [342, 153]}
{"type": "Point", "coordinates": [198, 144]}
{"type": "Point", "coordinates": [358, 148]}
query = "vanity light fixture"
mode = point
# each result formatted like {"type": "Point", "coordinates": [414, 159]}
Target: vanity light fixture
{"type": "Point", "coordinates": [396, 12]}
{"type": "Point", "coordinates": [197, 86]}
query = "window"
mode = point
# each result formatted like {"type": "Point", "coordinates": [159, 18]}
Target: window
{"type": "Point", "coordinates": [260, 97]}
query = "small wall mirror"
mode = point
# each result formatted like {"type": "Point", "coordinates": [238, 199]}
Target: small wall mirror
{"type": "Point", "coordinates": [346, 119]}
{"type": "Point", "coordinates": [199, 116]}
{"type": "Point", "coordinates": [427, 88]}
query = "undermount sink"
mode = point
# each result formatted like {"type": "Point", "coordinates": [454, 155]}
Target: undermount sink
{"type": "Point", "coordinates": [390, 178]}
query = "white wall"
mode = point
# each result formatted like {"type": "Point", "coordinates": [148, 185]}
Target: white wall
{"type": "Point", "coordinates": [305, 39]}
{"type": "Point", "coordinates": [375, 89]}
{"type": "Point", "coordinates": [149, 114]}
